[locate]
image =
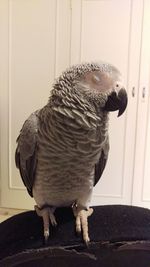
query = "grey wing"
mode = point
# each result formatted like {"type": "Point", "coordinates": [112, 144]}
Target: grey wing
{"type": "Point", "coordinates": [26, 151]}
{"type": "Point", "coordinates": [100, 165]}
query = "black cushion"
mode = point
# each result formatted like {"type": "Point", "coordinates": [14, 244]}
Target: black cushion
{"type": "Point", "coordinates": [120, 237]}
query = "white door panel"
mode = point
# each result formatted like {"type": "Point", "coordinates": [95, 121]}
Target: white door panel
{"type": "Point", "coordinates": [32, 41]}
{"type": "Point", "coordinates": [141, 185]}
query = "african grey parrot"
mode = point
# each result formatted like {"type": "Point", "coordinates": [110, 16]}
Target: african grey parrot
{"type": "Point", "coordinates": [63, 148]}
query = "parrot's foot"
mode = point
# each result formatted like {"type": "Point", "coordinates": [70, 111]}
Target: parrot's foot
{"type": "Point", "coordinates": [47, 214]}
{"type": "Point", "coordinates": [82, 221]}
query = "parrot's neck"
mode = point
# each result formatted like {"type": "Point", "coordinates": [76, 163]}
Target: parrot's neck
{"type": "Point", "coordinates": [70, 113]}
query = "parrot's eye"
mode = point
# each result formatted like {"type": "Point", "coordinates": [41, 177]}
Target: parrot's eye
{"type": "Point", "coordinates": [96, 78]}
{"type": "Point", "coordinates": [117, 85]}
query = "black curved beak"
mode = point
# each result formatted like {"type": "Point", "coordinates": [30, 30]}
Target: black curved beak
{"type": "Point", "coordinates": [117, 102]}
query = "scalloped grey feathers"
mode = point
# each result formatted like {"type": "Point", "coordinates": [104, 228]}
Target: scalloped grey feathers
{"type": "Point", "coordinates": [63, 148]}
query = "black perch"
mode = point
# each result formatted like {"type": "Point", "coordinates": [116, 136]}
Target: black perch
{"type": "Point", "coordinates": [120, 237]}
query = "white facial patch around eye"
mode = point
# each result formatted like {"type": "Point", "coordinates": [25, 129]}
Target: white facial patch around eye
{"type": "Point", "coordinates": [97, 81]}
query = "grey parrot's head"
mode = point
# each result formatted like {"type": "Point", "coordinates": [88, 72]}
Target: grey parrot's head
{"type": "Point", "coordinates": [100, 83]}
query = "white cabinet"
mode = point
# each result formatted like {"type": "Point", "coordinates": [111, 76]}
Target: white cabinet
{"type": "Point", "coordinates": [39, 40]}
{"type": "Point", "coordinates": [34, 48]}
{"type": "Point", "coordinates": [141, 182]}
